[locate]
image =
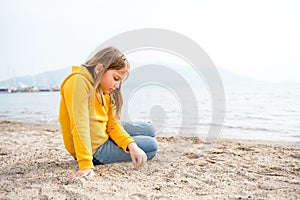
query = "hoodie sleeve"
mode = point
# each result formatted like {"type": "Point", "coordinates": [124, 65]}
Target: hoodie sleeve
{"type": "Point", "coordinates": [116, 131]}
{"type": "Point", "coordinates": [76, 91]}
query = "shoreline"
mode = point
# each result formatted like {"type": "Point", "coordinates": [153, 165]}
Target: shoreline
{"type": "Point", "coordinates": [56, 128]}
{"type": "Point", "coordinates": [35, 165]}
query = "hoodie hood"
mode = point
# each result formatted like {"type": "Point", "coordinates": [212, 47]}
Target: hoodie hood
{"type": "Point", "coordinates": [79, 70]}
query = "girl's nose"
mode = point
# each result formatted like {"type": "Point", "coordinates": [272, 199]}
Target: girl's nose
{"type": "Point", "coordinates": [117, 85]}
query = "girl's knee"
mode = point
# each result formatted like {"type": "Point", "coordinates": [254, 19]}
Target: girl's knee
{"type": "Point", "coordinates": [139, 128]}
{"type": "Point", "coordinates": [153, 143]}
{"type": "Point", "coordinates": [153, 148]}
{"type": "Point", "coordinates": [150, 128]}
{"type": "Point", "coordinates": [148, 144]}
{"type": "Point", "coordinates": [150, 155]}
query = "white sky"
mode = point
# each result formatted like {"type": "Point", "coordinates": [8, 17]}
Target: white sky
{"type": "Point", "coordinates": [257, 38]}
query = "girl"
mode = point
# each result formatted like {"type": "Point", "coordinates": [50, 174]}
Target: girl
{"type": "Point", "coordinates": [90, 108]}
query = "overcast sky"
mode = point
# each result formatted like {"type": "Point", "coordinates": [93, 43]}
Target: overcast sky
{"type": "Point", "coordinates": [257, 38]}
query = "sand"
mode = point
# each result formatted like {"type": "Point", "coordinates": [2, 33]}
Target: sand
{"type": "Point", "coordinates": [35, 165]}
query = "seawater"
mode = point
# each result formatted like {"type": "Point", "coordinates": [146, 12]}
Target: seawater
{"type": "Point", "coordinates": [30, 107]}
{"type": "Point", "coordinates": [266, 113]}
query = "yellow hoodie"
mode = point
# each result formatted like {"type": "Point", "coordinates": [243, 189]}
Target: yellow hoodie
{"type": "Point", "coordinates": [85, 122]}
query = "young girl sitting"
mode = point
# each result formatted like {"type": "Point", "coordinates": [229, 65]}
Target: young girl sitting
{"type": "Point", "coordinates": [90, 108]}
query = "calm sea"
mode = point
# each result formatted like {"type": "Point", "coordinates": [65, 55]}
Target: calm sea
{"type": "Point", "coordinates": [251, 113]}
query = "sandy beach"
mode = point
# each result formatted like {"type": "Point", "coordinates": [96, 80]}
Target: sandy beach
{"type": "Point", "coordinates": [35, 165]}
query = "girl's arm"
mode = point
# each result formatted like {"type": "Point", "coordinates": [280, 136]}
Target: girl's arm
{"type": "Point", "coordinates": [116, 131]}
{"type": "Point", "coordinates": [76, 91]}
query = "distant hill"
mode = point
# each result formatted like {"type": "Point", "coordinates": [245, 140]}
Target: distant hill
{"type": "Point", "coordinates": [231, 79]}
{"type": "Point", "coordinates": [55, 77]}
{"type": "Point", "coordinates": [48, 78]}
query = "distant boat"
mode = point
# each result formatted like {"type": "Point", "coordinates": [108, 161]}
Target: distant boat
{"type": "Point", "coordinates": [3, 89]}
{"type": "Point", "coordinates": [12, 90]}
{"type": "Point", "coordinates": [44, 89]}
{"type": "Point", "coordinates": [48, 89]}
{"type": "Point", "coordinates": [55, 89]}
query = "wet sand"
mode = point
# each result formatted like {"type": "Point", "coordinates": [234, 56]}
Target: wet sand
{"type": "Point", "coordinates": [35, 165]}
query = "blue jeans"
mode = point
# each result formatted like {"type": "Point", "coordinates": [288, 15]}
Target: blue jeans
{"type": "Point", "coordinates": [143, 134]}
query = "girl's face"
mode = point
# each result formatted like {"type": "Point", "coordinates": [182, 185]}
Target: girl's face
{"type": "Point", "coordinates": [111, 79]}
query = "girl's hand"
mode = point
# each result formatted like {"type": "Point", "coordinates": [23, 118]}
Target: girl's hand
{"type": "Point", "coordinates": [137, 155]}
{"type": "Point", "coordinates": [83, 172]}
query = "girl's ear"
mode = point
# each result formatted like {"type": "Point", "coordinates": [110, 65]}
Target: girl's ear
{"type": "Point", "coordinates": [98, 68]}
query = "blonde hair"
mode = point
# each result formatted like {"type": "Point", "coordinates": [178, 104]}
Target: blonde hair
{"type": "Point", "coordinates": [110, 58]}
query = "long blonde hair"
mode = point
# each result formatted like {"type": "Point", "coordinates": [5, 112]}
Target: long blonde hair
{"type": "Point", "coordinates": [110, 58]}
